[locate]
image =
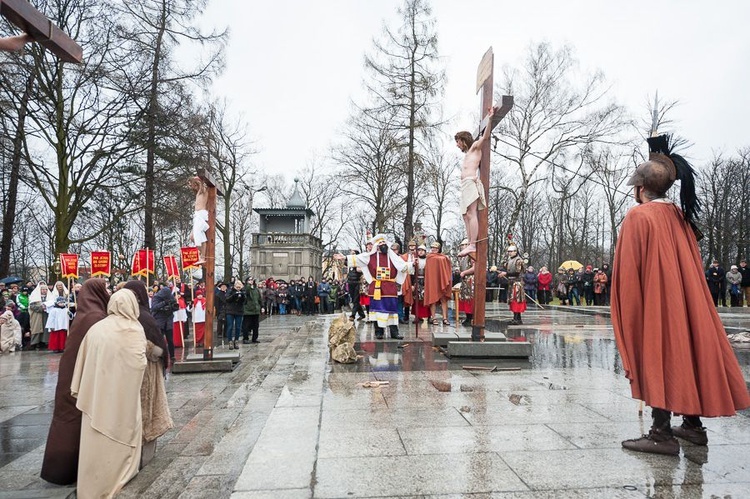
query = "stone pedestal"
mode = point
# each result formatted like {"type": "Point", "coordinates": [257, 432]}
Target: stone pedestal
{"type": "Point", "coordinates": [489, 349]}
{"type": "Point", "coordinates": [222, 362]}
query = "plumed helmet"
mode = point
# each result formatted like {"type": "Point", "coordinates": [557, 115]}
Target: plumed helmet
{"type": "Point", "coordinates": [512, 247]}
{"type": "Point", "coordinates": [662, 169]}
{"type": "Point", "coordinates": [422, 247]}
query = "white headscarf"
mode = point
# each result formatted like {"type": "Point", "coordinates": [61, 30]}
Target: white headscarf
{"type": "Point", "coordinates": [36, 295]}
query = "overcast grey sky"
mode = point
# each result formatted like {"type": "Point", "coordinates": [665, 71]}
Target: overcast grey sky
{"type": "Point", "coordinates": [294, 65]}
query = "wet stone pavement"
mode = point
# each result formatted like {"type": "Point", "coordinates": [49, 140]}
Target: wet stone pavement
{"type": "Point", "coordinates": [286, 423]}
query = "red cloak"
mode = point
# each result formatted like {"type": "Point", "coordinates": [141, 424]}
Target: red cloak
{"type": "Point", "coordinates": [437, 278]}
{"type": "Point", "coordinates": [673, 345]}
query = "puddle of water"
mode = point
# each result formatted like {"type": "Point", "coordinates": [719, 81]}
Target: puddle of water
{"type": "Point", "coordinates": [591, 346]}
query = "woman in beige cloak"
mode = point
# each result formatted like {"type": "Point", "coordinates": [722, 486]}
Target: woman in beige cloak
{"type": "Point", "coordinates": [156, 417]}
{"type": "Point", "coordinates": [107, 384]}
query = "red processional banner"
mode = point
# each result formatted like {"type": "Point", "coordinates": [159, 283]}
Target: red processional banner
{"type": "Point", "coordinates": [143, 262]}
{"type": "Point", "coordinates": [69, 265]}
{"type": "Point", "coordinates": [170, 262]}
{"type": "Point", "coordinates": [101, 264]}
{"type": "Point", "coordinates": [189, 256]}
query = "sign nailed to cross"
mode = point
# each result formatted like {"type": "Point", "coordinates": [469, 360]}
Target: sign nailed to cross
{"type": "Point", "coordinates": [27, 18]}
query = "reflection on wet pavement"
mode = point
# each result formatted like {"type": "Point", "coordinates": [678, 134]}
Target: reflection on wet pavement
{"type": "Point", "coordinates": [289, 423]}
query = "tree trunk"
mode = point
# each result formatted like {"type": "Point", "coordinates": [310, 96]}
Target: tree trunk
{"type": "Point", "coordinates": [409, 215]}
{"type": "Point", "coordinates": [149, 236]}
{"type": "Point", "coordinates": [226, 240]}
{"type": "Point", "coordinates": [62, 197]}
{"type": "Point", "coordinates": [9, 217]}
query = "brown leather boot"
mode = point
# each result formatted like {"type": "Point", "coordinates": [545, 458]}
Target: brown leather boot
{"type": "Point", "coordinates": [693, 435]}
{"type": "Point", "coordinates": [656, 442]}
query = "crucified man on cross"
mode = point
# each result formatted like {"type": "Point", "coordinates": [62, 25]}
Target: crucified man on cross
{"type": "Point", "coordinates": [472, 190]}
{"type": "Point", "coordinates": [200, 217]}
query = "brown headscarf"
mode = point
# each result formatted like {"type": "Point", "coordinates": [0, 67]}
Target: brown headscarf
{"type": "Point", "coordinates": [153, 334]}
{"type": "Point", "coordinates": [60, 463]}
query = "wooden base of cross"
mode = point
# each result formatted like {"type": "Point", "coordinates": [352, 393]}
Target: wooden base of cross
{"type": "Point", "coordinates": [485, 83]}
{"type": "Point", "coordinates": [210, 265]}
{"type": "Point", "coordinates": [27, 18]}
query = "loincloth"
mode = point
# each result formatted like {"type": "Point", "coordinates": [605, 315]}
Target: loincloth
{"type": "Point", "coordinates": [200, 226]}
{"type": "Point", "coordinates": [471, 190]}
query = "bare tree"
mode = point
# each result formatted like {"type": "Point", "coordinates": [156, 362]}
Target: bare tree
{"type": "Point", "coordinates": [723, 189]}
{"type": "Point", "coordinates": [13, 125]}
{"type": "Point", "coordinates": [609, 166]}
{"type": "Point", "coordinates": [72, 142]}
{"type": "Point", "coordinates": [406, 83]}
{"type": "Point", "coordinates": [370, 158]}
{"type": "Point", "coordinates": [228, 148]}
{"type": "Point", "coordinates": [155, 28]}
{"type": "Point", "coordinates": [276, 190]}
{"type": "Point", "coordinates": [439, 188]}
{"type": "Point", "coordinates": [553, 119]}
{"type": "Point", "coordinates": [321, 194]}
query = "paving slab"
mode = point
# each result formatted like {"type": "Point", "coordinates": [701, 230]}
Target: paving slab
{"type": "Point", "coordinates": [489, 350]}
{"type": "Point", "coordinates": [287, 423]}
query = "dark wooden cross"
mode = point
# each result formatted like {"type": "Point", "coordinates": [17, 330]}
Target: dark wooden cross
{"type": "Point", "coordinates": [27, 18]}
{"type": "Point", "coordinates": [485, 83]}
{"type": "Point", "coordinates": [210, 265]}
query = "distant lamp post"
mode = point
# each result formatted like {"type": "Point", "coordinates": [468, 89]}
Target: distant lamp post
{"type": "Point", "coordinates": [56, 266]}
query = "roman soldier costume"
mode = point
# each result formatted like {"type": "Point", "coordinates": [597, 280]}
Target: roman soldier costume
{"type": "Point", "coordinates": [466, 289]}
{"type": "Point", "coordinates": [515, 265]}
{"type": "Point", "coordinates": [420, 310]}
{"type": "Point", "coordinates": [673, 345]}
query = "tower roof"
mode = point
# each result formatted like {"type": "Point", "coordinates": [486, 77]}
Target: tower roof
{"type": "Point", "coordinates": [296, 200]}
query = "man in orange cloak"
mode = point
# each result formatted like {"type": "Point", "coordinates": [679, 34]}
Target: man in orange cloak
{"type": "Point", "coordinates": [673, 346]}
{"type": "Point", "coordinates": [438, 282]}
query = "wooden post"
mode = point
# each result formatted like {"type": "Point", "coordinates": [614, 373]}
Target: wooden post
{"type": "Point", "coordinates": [485, 83]}
{"type": "Point", "coordinates": [24, 16]}
{"type": "Point", "coordinates": [210, 265]}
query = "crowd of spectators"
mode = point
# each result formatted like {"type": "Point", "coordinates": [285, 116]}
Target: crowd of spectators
{"type": "Point", "coordinates": [30, 303]}
{"type": "Point", "coordinates": [586, 286]}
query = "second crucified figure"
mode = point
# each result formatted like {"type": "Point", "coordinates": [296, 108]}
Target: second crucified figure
{"type": "Point", "coordinates": [200, 217]}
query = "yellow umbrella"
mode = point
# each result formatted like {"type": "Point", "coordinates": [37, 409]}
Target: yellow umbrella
{"type": "Point", "coordinates": [571, 264]}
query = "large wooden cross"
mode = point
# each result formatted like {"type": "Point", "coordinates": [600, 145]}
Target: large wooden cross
{"type": "Point", "coordinates": [485, 83]}
{"type": "Point", "coordinates": [27, 18]}
{"type": "Point", "coordinates": [210, 265]}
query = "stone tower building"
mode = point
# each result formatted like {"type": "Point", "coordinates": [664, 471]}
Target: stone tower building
{"type": "Point", "coordinates": [284, 248]}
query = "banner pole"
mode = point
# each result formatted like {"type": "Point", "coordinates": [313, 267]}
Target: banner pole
{"type": "Point", "coordinates": [192, 294]}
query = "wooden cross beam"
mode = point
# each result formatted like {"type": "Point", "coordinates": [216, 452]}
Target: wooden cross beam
{"type": "Point", "coordinates": [27, 18]}
{"type": "Point", "coordinates": [485, 83]}
{"type": "Point", "coordinates": [210, 266]}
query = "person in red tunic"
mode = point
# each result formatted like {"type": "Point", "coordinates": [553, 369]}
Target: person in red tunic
{"type": "Point", "coordinates": [199, 317]}
{"type": "Point", "coordinates": [438, 282]}
{"type": "Point", "coordinates": [673, 345]}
